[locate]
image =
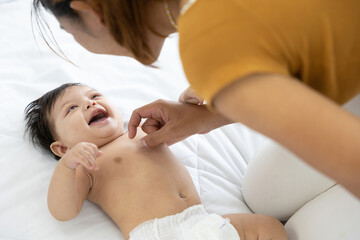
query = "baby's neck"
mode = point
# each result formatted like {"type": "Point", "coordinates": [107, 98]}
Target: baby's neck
{"type": "Point", "coordinates": [122, 136]}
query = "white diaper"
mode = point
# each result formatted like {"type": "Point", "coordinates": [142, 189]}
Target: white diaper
{"type": "Point", "coordinates": [194, 223]}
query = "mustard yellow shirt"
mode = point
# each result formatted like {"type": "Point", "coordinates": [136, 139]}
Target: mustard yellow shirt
{"type": "Point", "coordinates": [316, 41]}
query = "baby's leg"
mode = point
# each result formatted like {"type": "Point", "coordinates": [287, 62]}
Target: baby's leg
{"type": "Point", "coordinates": [278, 183]}
{"type": "Point", "coordinates": [257, 227]}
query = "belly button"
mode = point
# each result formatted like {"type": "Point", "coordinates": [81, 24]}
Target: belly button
{"type": "Point", "coordinates": [182, 195]}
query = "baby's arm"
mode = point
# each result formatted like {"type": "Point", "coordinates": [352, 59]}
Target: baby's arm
{"type": "Point", "coordinates": [70, 183]}
{"type": "Point", "coordinates": [257, 227]}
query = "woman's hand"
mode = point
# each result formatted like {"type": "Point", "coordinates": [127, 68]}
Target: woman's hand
{"type": "Point", "coordinates": [189, 96]}
{"type": "Point", "coordinates": [84, 154]}
{"type": "Point", "coordinates": [169, 122]}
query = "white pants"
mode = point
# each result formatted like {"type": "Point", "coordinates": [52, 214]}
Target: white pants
{"type": "Point", "coordinates": [279, 184]}
{"type": "Point", "coordinates": [193, 223]}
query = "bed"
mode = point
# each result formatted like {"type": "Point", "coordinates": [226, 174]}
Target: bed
{"type": "Point", "coordinates": [217, 161]}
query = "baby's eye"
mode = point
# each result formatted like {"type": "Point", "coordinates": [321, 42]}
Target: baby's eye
{"type": "Point", "coordinates": [95, 96]}
{"type": "Point", "coordinates": [71, 108]}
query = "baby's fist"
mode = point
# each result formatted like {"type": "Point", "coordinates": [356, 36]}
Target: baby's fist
{"type": "Point", "coordinates": [84, 154]}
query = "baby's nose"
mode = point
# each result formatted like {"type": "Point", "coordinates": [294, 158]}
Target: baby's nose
{"type": "Point", "coordinates": [91, 103]}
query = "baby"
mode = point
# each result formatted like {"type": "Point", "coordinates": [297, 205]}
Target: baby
{"type": "Point", "coordinates": [147, 192]}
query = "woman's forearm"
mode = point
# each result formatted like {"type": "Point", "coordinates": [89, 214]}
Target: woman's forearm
{"type": "Point", "coordinates": [215, 120]}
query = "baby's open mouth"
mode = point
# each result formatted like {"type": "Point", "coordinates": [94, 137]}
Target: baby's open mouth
{"type": "Point", "coordinates": [97, 116]}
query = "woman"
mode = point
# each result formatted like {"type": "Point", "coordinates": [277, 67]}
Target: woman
{"type": "Point", "coordinates": [282, 68]}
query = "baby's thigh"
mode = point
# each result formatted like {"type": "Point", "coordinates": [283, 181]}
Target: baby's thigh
{"type": "Point", "coordinates": [278, 183]}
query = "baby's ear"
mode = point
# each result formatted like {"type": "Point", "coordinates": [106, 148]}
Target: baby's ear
{"type": "Point", "coordinates": [58, 148]}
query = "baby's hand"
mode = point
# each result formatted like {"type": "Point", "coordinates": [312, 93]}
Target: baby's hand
{"type": "Point", "coordinates": [84, 154]}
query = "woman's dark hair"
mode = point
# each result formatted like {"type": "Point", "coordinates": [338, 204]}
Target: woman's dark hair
{"type": "Point", "coordinates": [37, 113]}
{"type": "Point", "coordinates": [124, 18]}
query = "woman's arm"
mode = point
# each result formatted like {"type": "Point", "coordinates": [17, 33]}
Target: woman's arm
{"type": "Point", "coordinates": [316, 129]}
{"type": "Point", "coordinates": [257, 227]}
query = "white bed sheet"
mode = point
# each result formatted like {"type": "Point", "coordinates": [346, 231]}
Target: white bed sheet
{"type": "Point", "coordinates": [216, 161]}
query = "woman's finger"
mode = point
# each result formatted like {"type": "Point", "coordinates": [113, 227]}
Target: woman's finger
{"type": "Point", "coordinates": [150, 111]}
{"type": "Point", "coordinates": [166, 134]}
{"type": "Point", "coordinates": [151, 125]}
{"type": "Point", "coordinates": [189, 96]}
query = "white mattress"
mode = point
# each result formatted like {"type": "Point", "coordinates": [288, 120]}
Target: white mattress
{"type": "Point", "coordinates": [217, 161]}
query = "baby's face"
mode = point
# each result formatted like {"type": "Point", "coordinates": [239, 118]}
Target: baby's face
{"type": "Point", "coordinates": [82, 114]}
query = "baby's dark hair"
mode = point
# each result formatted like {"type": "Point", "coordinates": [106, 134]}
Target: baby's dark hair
{"type": "Point", "coordinates": [37, 118]}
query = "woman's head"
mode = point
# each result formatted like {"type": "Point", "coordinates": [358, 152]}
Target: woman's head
{"type": "Point", "coordinates": [107, 26]}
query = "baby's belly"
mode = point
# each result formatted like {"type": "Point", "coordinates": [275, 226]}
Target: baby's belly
{"type": "Point", "coordinates": [148, 186]}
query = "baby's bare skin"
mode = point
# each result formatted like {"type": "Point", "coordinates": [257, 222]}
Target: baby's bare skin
{"type": "Point", "coordinates": [134, 185]}
{"type": "Point", "coordinates": [100, 163]}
